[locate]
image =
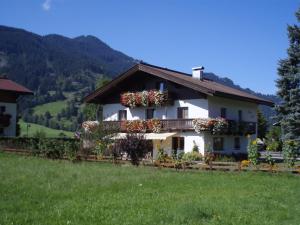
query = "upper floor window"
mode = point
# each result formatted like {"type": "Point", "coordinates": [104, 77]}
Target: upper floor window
{"type": "Point", "coordinates": [161, 86]}
{"type": "Point", "coordinates": [182, 112]}
{"type": "Point", "coordinates": [218, 143]}
{"type": "Point", "coordinates": [223, 113]}
{"type": "Point", "coordinates": [237, 143]}
{"type": "Point", "coordinates": [240, 115]}
{"type": "Point", "coordinates": [122, 115]}
{"type": "Point", "coordinates": [149, 114]}
{"type": "Point", "coordinates": [2, 109]}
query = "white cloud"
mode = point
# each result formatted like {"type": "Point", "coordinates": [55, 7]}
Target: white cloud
{"type": "Point", "coordinates": [47, 5]}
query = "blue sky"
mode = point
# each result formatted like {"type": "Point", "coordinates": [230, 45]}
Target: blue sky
{"type": "Point", "coordinates": [240, 39]}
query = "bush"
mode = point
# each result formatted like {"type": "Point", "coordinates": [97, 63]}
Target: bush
{"type": "Point", "coordinates": [136, 147]}
{"type": "Point", "coordinates": [54, 148]}
{"type": "Point", "coordinates": [273, 139]}
{"type": "Point", "coordinates": [191, 156]}
{"type": "Point", "coordinates": [290, 149]}
{"type": "Point", "coordinates": [253, 154]}
{"type": "Point", "coordinates": [224, 158]}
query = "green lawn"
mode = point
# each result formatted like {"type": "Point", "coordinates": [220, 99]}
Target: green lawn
{"type": "Point", "coordinates": [35, 127]}
{"type": "Point", "coordinates": [53, 108]}
{"type": "Point", "coordinates": [40, 191]}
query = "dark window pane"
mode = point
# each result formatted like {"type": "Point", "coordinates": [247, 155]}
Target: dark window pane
{"type": "Point", "coordinates": [149, 114]}
{"type": "Point", "coordinates": [218, 143]}
{"type": "Point", "coordinates": [240, 115]}
{"type": "Point", "coordinates": [178, 143]}
{"type": "Point", "coordinates": [237, 143]}
{"type": "Point", "coordinates": [223, 112]}
{"type": "Point", "coordinates": [181, 140]}
{"type": "Point", "coordinates": [174, 143]}
{"type": "Point", "coordinates": [122, 115]}
{"type": "Point", "coordinates": [2, 109]}
{"type": "Point", "coordinates": [182, 112]}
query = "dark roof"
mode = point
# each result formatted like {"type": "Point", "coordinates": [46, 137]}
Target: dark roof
{"type": "Point", "coordinates": [205, 86]}
{"type": "Point", "coordinates": [9, 85]}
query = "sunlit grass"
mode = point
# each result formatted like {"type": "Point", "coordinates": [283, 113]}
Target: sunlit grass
{"type": "Point", "coordinates": [40, 191]}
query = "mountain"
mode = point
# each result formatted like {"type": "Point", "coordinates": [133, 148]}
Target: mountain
{"type": "Point", "coordinates": [54, 62]}
{"type": "Point", "coordinates": [66, 69]}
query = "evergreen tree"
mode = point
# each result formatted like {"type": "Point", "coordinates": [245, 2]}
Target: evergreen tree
{"type": "Point", "coordinates": [288, 111]}
{"type": "Point", "coordinates": [262, 125]}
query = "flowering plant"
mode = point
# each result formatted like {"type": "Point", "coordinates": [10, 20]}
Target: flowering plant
{"type": "Point", "coordinates": [201, 124]}
{"type": "Point", "coordinates": [220, 126]}
{"type": "Point", "coordinates": [135, 126]}
{"type": "Point", "coordinates": [216, 126]}
{"type": "Point", "coordinates": [144, 98]}
{"type": "Point", "coordinates": [154, 125]}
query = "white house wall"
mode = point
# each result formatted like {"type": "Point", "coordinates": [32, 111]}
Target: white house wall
{"type": "Point", "coordinates": [11, 109]}
{"type": "Point", "coordinates": [232, 106]}
{"type": "Point", "coordinates": [197, 108]}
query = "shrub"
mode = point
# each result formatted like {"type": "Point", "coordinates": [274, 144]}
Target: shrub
{"type": "Point", "coordinates": [270, 160]}
{"type": "Point", "coordinates": [253, 153]}
{"type": "Point", "coordinates": [224, 158]}
{"type": "Point", "coordinates": [245, 163]}
{"type": "Point", "coordinates": [290, 149]}
{"type": "Point", "coordinates": [191, 156]}
{"type": "Point", "coordinates": [136, 147]}
{"type": "Point", "coordinates": [195, 148]}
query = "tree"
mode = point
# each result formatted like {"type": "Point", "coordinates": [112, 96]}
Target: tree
{"type": "Point", "coordinates": [136, 147]}
{"type": "Point", "coordinates": [93, 111]}
{"type": "Point", "coordinates": [288, 111]}
{"type": "Point", "coordinates": [262, 125]}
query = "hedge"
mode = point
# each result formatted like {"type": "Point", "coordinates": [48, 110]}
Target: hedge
{"type": "Point", "coordinates": [54, 148]}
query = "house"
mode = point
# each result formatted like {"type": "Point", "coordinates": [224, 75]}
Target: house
{"type": "Point", "coordinates": [9, 93]}
{"type": "Point", "coordinates": [179, 111]}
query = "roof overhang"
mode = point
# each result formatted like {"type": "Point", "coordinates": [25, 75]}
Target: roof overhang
{"type": "Point", "coordinates": [169, 75]}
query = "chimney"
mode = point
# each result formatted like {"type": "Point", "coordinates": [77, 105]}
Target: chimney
{"type": "Point", "coordinates": [198, 72]}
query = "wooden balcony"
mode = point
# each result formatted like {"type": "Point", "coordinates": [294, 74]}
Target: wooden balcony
{"type": "Point", "coordinates": [241, 127]}
{"type": "Point", "coordinates": [166, 125]}
{"type": "Point", "coordinates": [5, 120]}
{"type": "Point", "coordinates": [234, 127]}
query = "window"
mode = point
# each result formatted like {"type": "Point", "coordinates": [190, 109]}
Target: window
{"type": "Point", "coordinates": [182, 113]}
{"type": "Point", "coordinates": [122, 115]}
{"type": "Point", "coordinates": [240, 115]}
{"type": "Point", "coordinates": [218, 144]}
{"type": "Point", "coordinates": [223, 113]}
{"type": "Point", "coordinates": [178, 143]}
{"type": "Point", "coordinates": [237, 143]}
{"type": "Point", "coordinates": [1, 131]}
{"type": "Point", "coordinates": [149, 114]}
{"type": "Point", "coordinates": [161, 86]}
{"type": "Point", "coordinates": [2, 109]}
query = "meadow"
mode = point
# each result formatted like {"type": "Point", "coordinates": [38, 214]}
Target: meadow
{"type": "Point", "coordinates": [49, 132]}
{"type": "Point", "coordinates": [41, 191]}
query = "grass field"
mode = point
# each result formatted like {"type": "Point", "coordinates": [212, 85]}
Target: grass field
{"type": "Point", "coordinates": [35, 127]}
{"type": "Point", "coordinates": [40, 191]}
{"type": "Point", "coordinates": [53, 108]}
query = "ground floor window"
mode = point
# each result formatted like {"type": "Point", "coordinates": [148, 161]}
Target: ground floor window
{"type": "Point", "coordinates": [178, 143]}
{"type": "Point", "coordinates": [237, 143]}
{"type": "Point", "coordinates": [218, 143]}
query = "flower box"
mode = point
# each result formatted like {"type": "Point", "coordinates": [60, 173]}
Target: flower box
{"type": "Point", "coordinates": [144, 98]}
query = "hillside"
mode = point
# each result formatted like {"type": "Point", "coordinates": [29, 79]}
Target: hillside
{"type": "Point", "coordinates": [51, 62]}
{"type": "Point", "coordinates": [63, 70]}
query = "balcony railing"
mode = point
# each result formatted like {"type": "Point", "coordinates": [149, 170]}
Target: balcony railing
{"type": "Point", "coordinates": [5, 120]}
{"type": "Point", "coordinates": [234, 127]}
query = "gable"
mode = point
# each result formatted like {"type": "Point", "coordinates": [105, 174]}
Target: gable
{"type": "Point", "coordinates": [205, 87]}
